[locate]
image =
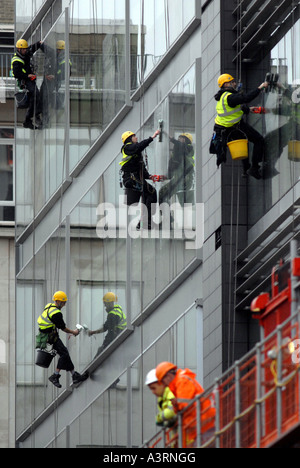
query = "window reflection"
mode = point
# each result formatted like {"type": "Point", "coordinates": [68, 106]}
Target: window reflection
{"type": "Point", "coordinates": [280, 126]}
{"type": "Point", "coordinates": [160, 23]}
{"type": "Point", "coordinates": [161, 254]}
{"type": "Point", "coordinates": [97, 85]}
{"type": "Point", "coordinates": [53, 85]}
{"type": "Point", "coordinates": [96, 91]}
{"type": "Point", "coordinates": [99, 238]}
{"type": "Point", "coordinates": [98, 262]}
{"type": "Point", "coordinates": [181, 163]}
{"type": "Point", "coordinates": [104, 412]}
{"type": "Point", "coordinates": [2, 352]}
{"type": "Point", "coordinates": [35, 286]}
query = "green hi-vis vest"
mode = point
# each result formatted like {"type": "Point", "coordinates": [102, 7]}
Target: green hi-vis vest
{"type": "Point", "coordinates": [166, 410]}
{"type": "Point", "coordinates": [60, 64]}
{"type": "Point", "coordinates": [16, 58]}
{"type": "Point", "coordinates": [192, 158]}
{"type": "Point", "coordinates": [126, 158]}
{"type": "Point", "coordinates": [44, 320]}
{"type": "Point", "coordinates": [117, 310]}
{"type": "Point", "coordinates": [227, 116]}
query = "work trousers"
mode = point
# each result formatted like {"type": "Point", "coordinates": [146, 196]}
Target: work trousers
{"type": "Point", "coordinates": [64, 362]}
{"type": "Point", "coordinates": [148, 196]}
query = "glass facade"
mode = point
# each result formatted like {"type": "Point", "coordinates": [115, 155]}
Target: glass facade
{"type": "Point", "coordinates": [92, 67]}
{"type": "Point", "coordinates": [36, 283]}
{"type": "Point", "coordinates": [97, 247]}
{"type": "Point", "coordinates": [124, 414]}
{"type": "Point", "coordinates": [97, 236]}
{"type": "Point", "coordinates": [279, 125]}
{"type": "Point", "coordinates": [86, 44]}
{"type": "Point", "coordinates": [158, 24]}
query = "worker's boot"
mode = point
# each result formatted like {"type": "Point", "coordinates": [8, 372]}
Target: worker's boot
{"type": "Point", "coordinates": [77, 378]}
{"type": "Point", "coordinates": [29, 124]}
{"type": "Point", "coordinates": [37, 122]}
{"type": "Point", "coordinates": [254, 172]}
{"type": "Point", "coordinates": [54, 378]}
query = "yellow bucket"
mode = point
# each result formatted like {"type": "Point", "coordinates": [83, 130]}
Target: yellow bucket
{"type": "Point", "coordinates": [238, 149]}
{"type": "Point", "coordinates": [294, 150]}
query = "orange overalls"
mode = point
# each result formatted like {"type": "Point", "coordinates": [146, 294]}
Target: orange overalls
{"type": "Point", "coordinates": [185, 386]}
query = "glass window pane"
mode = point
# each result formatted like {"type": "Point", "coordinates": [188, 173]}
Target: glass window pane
{"type": "Point", "coordinates": [97, 83]}
{"type": "Point", "coordinates": [280, 126]}
{"type": "Point", "coordinates": [155, 25]}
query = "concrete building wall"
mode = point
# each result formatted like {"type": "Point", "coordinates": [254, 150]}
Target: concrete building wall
{"type": "Point", "coordinates": [211, 192]}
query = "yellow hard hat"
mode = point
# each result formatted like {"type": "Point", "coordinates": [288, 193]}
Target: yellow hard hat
{"type": "Point", "coordinates": [110, 297]}
{"type": "Point", "coordinates": [60, 296]}
{"type": "Point", "coordinates": [60, 45]}
{"type": "Point", "coordinates": [126, 135]}
{"type": "Point", "coordinates": [225, 78]}
{"type": "Point", "coordinates": [22, 44]}
{"type": "Point", "coordinates": [188, 136]}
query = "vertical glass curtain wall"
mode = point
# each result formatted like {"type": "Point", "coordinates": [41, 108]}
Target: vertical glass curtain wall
{"type": "Point", "coordinates": [97, 82]}
{"type": "Point", "coordinates": [156, 262]}
{"type": "Point", "coordinates": [99, 236]}
{"type": "Point", "coordinates": [158, 24]}
{"type": "Point", "coordinates": [124, 414]}
{"type": "Point", "coordinates": [86, 45]}
{"type": "Point", "coordinates": [87, 255]}
{"type": "Point", "coordinates": [279, 125]}
{"type": "Point", "coordinates": [43, 275]}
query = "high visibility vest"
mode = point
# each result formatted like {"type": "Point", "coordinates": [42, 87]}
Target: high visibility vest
{"type": "Point", "coordinates": [16, 58]}
{"type": "Point", "coordinates": [166, 410]}
{"type": "Point", "coordinates": [117, 310]}
{"type": "Point", "coordinates": [44, 320]}
{"type": "Point", "coordinates": [126, 158]}
{"type": "Point", "coordinates": [60, 64]}
{"type": "Point", "coordinates": [227, 116]}
{"type": "Point", "coordinates": [192, 158]}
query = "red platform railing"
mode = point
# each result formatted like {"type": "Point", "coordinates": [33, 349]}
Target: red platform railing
{"type": "Point", "coordinates": [256, 401]}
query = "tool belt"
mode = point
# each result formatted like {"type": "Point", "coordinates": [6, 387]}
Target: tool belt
{"type": "Point", "coordinates": [44, 338]}
{"type": "Point", "coordinates": [130, 181]}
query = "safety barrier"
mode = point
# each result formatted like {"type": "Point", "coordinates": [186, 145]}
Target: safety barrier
{"type": "Point", "coordinates": [256, 400]}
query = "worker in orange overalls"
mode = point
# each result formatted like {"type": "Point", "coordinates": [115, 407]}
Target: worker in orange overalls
{"type": "Point", "coordinates": [185, 387]}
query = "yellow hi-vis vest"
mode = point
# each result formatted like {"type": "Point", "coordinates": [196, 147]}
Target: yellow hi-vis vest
{"type": "Point", "coordinates": [44, 320]}
{"type": "Point", "coordinates": [17, 59]}
{"type": "Point", "coordinates": [126, 158]}
{"type": "Point", "coordinates": [117, 310]}
{"type": "Point", "coordinates": [166, 410]}
{"type": "Point", "coordinates": [226, 115]}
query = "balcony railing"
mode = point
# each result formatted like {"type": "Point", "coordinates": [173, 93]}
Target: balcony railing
{"type": "Point", "coordinates": [256, 401]}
